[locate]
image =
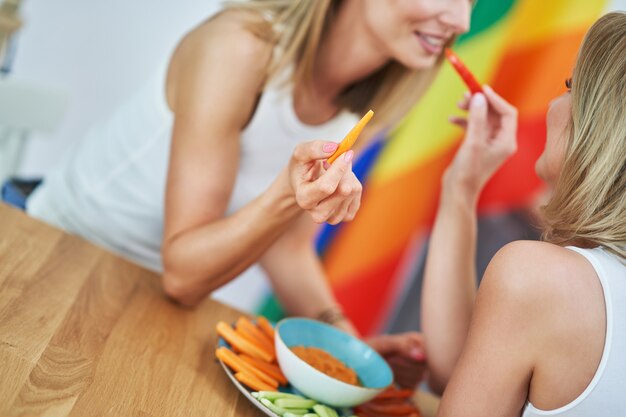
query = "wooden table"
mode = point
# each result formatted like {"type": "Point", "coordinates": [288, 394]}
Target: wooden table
{"type": "Point", "coordinates": [86, 333]}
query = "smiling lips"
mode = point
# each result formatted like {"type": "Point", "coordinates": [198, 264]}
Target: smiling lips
{"type": "Point", "coordinates": [431, 43]}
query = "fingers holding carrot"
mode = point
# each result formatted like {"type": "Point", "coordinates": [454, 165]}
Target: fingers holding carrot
{"type": "Point", "coordinates": [347, 143]}
{"type": "Point", "coordinates": [322, 180]}
{"type": "Point", "coordinates": [322, 192]}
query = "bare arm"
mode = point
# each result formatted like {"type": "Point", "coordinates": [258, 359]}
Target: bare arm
{"type": "Point", "coordinates": [213, 88]}
{"type": "Point", "coordinates": [297, 275]}
{"type": "Point", "coordinates": [449, 286]}
{"type": "Point", "coordinates": [493, 374]}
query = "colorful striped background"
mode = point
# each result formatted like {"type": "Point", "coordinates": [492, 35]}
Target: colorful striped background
{"type": "Point", "coordinates": [525, 50]}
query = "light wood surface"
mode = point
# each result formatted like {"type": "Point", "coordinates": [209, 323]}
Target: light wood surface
{"type": "Point", "coordinates": [86, 333]}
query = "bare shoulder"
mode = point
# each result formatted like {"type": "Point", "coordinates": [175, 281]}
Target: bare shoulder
{"type": "Point", "coordinates": [222, 47]}
{"type": "Point", "coordinates": [229, 32]}
{"type": "Point", "coordinates": [546, 285]}
{"type": "Point", "coordinates": [540, 264]}
{"type": "Point", "coordinates": [540, 270]}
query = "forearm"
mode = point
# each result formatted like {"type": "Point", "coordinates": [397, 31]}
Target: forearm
{"type": "Point", "coordinates": [202, 259]}
{"type": "Point", "coordinates": [299, 280]}
{"type": "Point", "coordinates": [449, 286]}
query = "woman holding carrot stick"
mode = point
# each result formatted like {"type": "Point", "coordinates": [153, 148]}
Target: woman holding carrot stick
{"type": "Point", "coordinates": [217, 163]}
{"type": "Point", "coordinates": [547, 334]}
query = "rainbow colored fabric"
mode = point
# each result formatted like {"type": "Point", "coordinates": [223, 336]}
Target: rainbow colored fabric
{"type": "Point", "coordinates": [524, 49]}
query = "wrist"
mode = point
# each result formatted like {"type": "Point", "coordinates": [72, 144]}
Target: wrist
{"type": "Point", "coordinates": [335, 317]}
{"type": "Point", "coordinates": [281, 198]}
{"type": "Point", "coordinates": [459, 193]}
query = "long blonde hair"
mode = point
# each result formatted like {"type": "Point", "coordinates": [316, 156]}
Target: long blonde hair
{"type": "Point", "coordinates": [589, 203]}
{"type": "Point", "coordinates": [297, 27]}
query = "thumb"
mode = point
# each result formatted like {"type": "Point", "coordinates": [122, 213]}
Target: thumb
{"type": "Point", "coordinates": [477, 120]}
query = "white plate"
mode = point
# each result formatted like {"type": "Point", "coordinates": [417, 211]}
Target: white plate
{"type": "Point", "coordinates": [248, 393]}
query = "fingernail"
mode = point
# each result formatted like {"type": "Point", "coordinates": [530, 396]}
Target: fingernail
{"type": "Point", "coordinates": [329, 147]}
{"type": "Point", "coordinates": [479, 100]}
{"type": "Point", "coordinates": [417, 354]}
{"type": "Point", "coordinates": [486, 87]}
{"type": "Point", "coordinates": [348, 156]}
{"type": "Point", "coordinates": [326, 165]}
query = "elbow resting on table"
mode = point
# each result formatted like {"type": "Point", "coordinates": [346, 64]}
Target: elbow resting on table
{"type": "Point", "coordinates": [178, 290]}
{"type": "Point", "coordinates": [179, 284]}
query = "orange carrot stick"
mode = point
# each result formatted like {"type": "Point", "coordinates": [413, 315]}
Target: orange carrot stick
{"type": "Point", "coordinates": [351, 137]}
{"type": "Point", "coordinates": [265, 327]}
{"type": "Point", "coordinates": [245, 334]}
{"type": "Point", "coordinates": [229, 334]}
{"type": "Point", "coordinates": [252, 382]}
{"type": "Point", "coordinates": [270, 369]}
{"type": "Point", "coordinates": [238, 365]}
{"type": "Point", "coordinates": [245, 326]}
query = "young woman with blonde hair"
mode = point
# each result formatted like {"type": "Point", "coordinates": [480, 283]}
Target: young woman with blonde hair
{"type": "Point", "coordinates": [547, 335]}
{"type": "Point", "coordinates": [197, 176]}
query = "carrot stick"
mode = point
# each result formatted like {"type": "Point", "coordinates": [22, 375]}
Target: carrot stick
{"type": "Point", "coordinates": [351, 137]}
{"type": "Point", "coordinates": [241, 344]}
{"type": "Point", "coordinates": [246, 326]}
{"type": "Point", "coordinates": [238, 365]}
{"type": "Point", "coordinates": [466, 75]}
{"type": "Point", "coordinates": [265, 327]}
{"type": "Point", "coordinates": [252, 382]}
{"type": "Point", "coordinates": [270, 369]}
{"type": "Point", "coordinates": [253, 340]}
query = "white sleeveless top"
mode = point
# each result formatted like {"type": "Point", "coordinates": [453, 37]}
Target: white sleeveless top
{"type": "Point", "coordinates": [110, 188]}
{"type": "Point", "coordinates": [606, 393]}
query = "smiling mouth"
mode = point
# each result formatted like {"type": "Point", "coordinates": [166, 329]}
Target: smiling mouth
{"type": "Point", "coordinates": [431, 43]}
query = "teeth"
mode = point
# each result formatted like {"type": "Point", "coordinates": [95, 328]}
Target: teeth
{"type": "Point", "coordinates": [432, 40]}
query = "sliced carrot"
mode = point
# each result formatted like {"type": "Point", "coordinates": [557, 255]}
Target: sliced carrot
{"type": "Point", "coordinates": [238, 365]}
{"type": "Point", "coordinates": [253, 340]}
{"type": "Point", "coordinates": [265, 327]}
{"type": "Point", "coordinates": [253, 382]}
{"type": "Point", "coordinates": [351, 137]}
{"type": "Point", "coordinates": [249, 327]}
{"type": "Point", "coordinates": [270, 369]}
{"type": "Point", "coordinates": [221, 354]}
{"type": "Point", "coordinates": [241, 344]}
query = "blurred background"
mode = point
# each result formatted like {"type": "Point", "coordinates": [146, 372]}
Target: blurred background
{"type": "Point", "coordinates": [69, 63]}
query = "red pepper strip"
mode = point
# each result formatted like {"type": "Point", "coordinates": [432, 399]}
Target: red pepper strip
{"type": "Point", "coordinates": [389, 409]}
{"type": "Point", "coordinates": [394, 393]}
{"type": "Point", "coordinates": [465, 74]}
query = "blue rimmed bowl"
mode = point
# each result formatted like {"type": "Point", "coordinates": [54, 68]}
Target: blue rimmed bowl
{"type": "Point", "coordinates": [372, 370]}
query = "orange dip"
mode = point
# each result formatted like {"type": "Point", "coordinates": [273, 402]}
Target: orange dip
{"type": "Point", "coordinates": [326, 363]}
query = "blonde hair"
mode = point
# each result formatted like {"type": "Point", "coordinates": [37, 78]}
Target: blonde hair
{"type": "Point", "coordinates": [589, 203]}
{"type": "Point", "coordinates": [297, 28]}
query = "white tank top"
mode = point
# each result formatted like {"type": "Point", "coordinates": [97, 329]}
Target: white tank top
{"type": "Point", "coordinates": [606, 393]}
{"type": "Point", "coordinates": [110, 188]}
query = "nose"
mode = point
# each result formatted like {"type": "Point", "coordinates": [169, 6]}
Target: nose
{"type": "Point", "coordinates": [457, 16]}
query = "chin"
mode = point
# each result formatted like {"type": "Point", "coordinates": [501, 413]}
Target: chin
{"type": "Point", "coordinates": [420, 62]}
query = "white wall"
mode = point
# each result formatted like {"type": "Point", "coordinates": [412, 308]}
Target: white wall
{"type": "Point", "coordinates": [97, 51]}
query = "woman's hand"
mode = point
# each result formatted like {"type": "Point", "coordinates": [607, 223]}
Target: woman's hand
{"type": "Point", "coordinates": [490, 138]}
{"type": "Point", "coordinates": [330, 194]}
{"type": "Point", "coordinates": [405, 354]}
